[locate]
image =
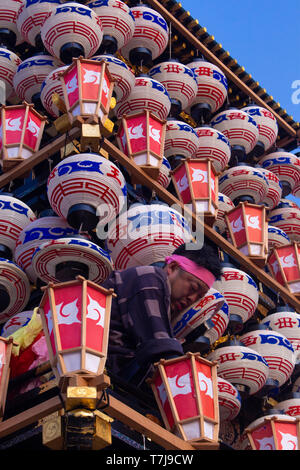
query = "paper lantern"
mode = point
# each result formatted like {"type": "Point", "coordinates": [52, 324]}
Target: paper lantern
{"type": "Point", "coordinates": [286, 167]}
{"type": "Point", "coordinates": [248, 230]}
{"type": "Point", "coordinates": [15, 215]}
{"type": "Point", "coordinates": [82, 184]}
{"type": "Point", "coordinates": [225, 204]}
{"type": "Point", "coordinates": [274, 432]}
{"type": "Point", "coordinates": [87, 87]}
{"type": "Point", "coordinates": [30, 75]}
{"type": "Point", "coordinates": [146, 94]}
{"type": "Point", "coordinates": [76, 318]}
{"type": "Point", "coordinates": [9, 63]}
{"type": "Point", "coordinates": [296, 190]}
{"type": "Point", "coordinates": [72, 30]}
{"type": "Point", "coordinates": [5, 355]}
{"type": "Point", "coordinates": [141, 137]}
{"type": "Point", "coordinates": [214, 145]}
{"type": "Point", "coordinates": [186, 392]}
{"type": "Point", "coordinates": [146, 234]}
{"type": "Point", "coordinates": [179, 81]}
{"type": "Point", "coordinates": [196, 184]}
{"type": "Point", "coordinates": [276, 350]}
{"type": "Point", "coordinates": [276, 237]}
{"type": "Point", "coordinates": [240, 292]}
{"type": "Point", "coordinates": [212, 90]}
{"type": "Point", "coordinates": [181, 141]}
{"type": "Point", "coordinates": [244, 183]}
{"type": "Point", "coordinates": [164, 175]}
{"type": "Point", "coordinates": [15, 322]}
{"type": "Point", "coordinates": [124, 78]}
{"type": "Point", "coordinates": [290, 405]}
{"type": "Point", "coordinates": [243, 367]}
{"type": "Point", "coordinates": [286, 322]}
{"type": "Point", "coordinates": [217, 324]}
{"type": "Point", "coordinates": [22, 131]}
{"type": "Point", "coordinates": [240, 129]}
{"type": "Point", "coordinates": [286, 216]}
{"type": "Point", "coordinates": [267, 128]}
{"type": "Point", "coordinates": [63, 259]}
{"type": "Point", "coordinates": [14, 289]}
{"type": "Point", "coordinates": [150, 37]}
{"type": "Point", "coordinates": [274, 190]}
{"type": "Point", "coordinates": [37, 232]}
{"type": "Point", "coordinates": [230, 401]}
{"type": "Point", "coordinates": [31, 17]}
{"type": "Point", "coordinates": [117, 22]}
{"type": "Point", "coordinates": [50, 86]}
{"type": "Point", "coordinates": [9, 33]}
{"type": "Point", "coordinates": [284, 265]}
{"type": "Point", "coordinates": [186, 324]}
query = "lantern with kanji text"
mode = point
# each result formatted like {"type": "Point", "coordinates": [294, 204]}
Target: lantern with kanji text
{"type": "Point", "coordinates": [276, 237]}
{"type": "Point", "coordinates": [284, 265]}
{"type": "Point", "coordinates": [213, 144]}
{"type": "Point", "coordinates": [230, 401]}
{"type": "Point", "coordinates": [141, 137]}
{"type": "Point", "coordinates": [286, 166]}
{"type": "Point", "coordinates": [267, 128]}
{"type": "Point", "coordinates": [75, 317]}
{"type": "Point", "coordinates": [186, 391]}
{"type": "Point", "coordinates": [6, 346]}
{"type": "Point", "coordinates": [247, 225]}
{"type": "Point", "coordinates": [22, 131]}
{"type": "Point", "coordinates": [289, 404]}
{"type": "Point", "coordinates": [181, 141]}
{"type": "Point", "coordinates": [196, 184]}
{"type": "Point", "coordinates": [286, 216]}
{"type": "Point", "coordinates": [274, 190]}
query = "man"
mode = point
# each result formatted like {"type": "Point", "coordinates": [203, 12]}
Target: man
{"type": "Point", "coordinates": [147, 299]}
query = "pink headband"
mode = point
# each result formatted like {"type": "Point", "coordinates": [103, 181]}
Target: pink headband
{"type": "Point", "coordinates": [191, 267]}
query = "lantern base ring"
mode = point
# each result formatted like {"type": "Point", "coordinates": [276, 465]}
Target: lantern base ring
{"type": "Point", "coordinates": [109, 45]}
{"type": "Point", "coordinates": [201, 112]}
{"type": "Point", "coordinates": [68, 270]}
{"type": "Point", "coordinates": [5, 252]}
{"type": "Point", "coordinates": [238, 155]}
{"type": "Point", "coordinates": [259, 149]}
{"type": "Point", "coordinates": [7, 38]}
{"type": "Point", "coordinates": [70, 50]}
{"type": "Point", "coordinates": [140, 55]}
{"type": "Point", "coordinates": [201, 345]}
{"type": "Point", "coordinates": [270, 385]}
{"type": "Point", "coordinates": [82, 217]}
{"type": "Point", "coordinates": [4, 298]}
{"type": "Point", "coordinates": [235, 324]}
{"type": "Point", "coordinates": [244, 198]}
{"type": "Point", "coordinates": [176, 108]}
{"type": "Point", "coordinates": [286, 188]}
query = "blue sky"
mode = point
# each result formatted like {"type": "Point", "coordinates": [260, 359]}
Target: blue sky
{"type": "Point", "coordinates": [264, 37]}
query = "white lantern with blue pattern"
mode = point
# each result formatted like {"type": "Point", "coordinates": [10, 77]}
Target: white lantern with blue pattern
{"type": "Point", "coordinates": [244, 183]}
{"type": "Point", "coordinates": [286, 166]}
{"type": "Point", "coordinates": [50, 86]}
{"type": "Point", "coordinates": [214, 145]}
{"type": "Point", "coordinates": [274, 190]}
{"type": "Point", "coordinates": [164, 175]}
{"type": "Point", "coordinates": [267, 127]}
{"type": "Point", "coordinates": [286, 216]}
{"type": "Point", "coordinates": [181, 141]}
{"type": "Point", "coordinates": [15, 322]}
{"type": "Point", "coordinates": [276, 237]}
{"type": "Point", "coordinates": [9, 62]}
{"type": "Point", "coordinates": [9, 32]}
{"type": "Point", "coordinates": [230, 401]}
{"type": "Point", "coordinates": [14, 289]}
{"type": "Point", "coordinates": [225, 204]}
{"type": "Point", "coordinates": [86, 189]}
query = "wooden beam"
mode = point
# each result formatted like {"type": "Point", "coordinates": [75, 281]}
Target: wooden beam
{"type": "Point", "coordinates": [140, 176]}
{"type": "Point", "coordinates": [24, 167]}
{"type": "Point", "coordinates": [212, 58]}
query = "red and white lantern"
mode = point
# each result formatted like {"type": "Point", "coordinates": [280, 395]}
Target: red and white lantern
{"type": "Point", "coordinates": [284, 264]}
{"type": "Point", "coordinates": [274, 432]}
{"type": "Point", "coordinates": [146, 234]}
{"type": "Point", "coordinates": [16, 322]}
{"type": "Point", "coordinates": [214, 145]}
{"type": "Point", "coordinates": [72, 30]}
{"type": "Point", "coordinates": [196, 184]}
{"type": "Point", "coordinates": [9, 63]}
{"type": "Point", "coordinates": [9, 32]}
{"type": "Point", "coordinates": [286, 167]}
{"type": "Point", "coordinates": [22, 129]}
{"type": "Point", "coordinates": [267, 127]}
{"type": "Point", "coordinates": [225, 204]}
{"type": "Point", "coordinates": [50, 86]}
{"type": "Point", "coordinates": [117, 22]}
{"type": "Point", "coordinates": [150, 37]}
{"type": "Point", "coordinates": [218, 323]}
{"type": "Point", "coordinates": [276, 237]}
{"type": "Point", "coordinates": [286, 216]}
{"type": "Point", "coordinates": [180, 82]}
{"type": "Point", "coordinates": [124, 78]}
{"type": "Point", "coordinates": [5, 355]}
{"type": "Point", "coordinates": [181, 141]}
{"type": "Point", "coordinates": [290, 405]}
{"type": "Point", "coordinates": [76, 318]}
{"type": "Point", "coordinates": [240, 129]}
{"type": "Point", "coordinates": [243, 367]}
{"type": "Point", "coordinates": [30, 75]}
{"type": "Point", "coordinates": [14, 289]}
{"type": "Point", "coordinates": [212, 89]}
{"type": "Point", "coordinates": [31, 17]}
{"type": "Point", "coordinates": [186, 392]}
{"type": "Point", "coordinates": [229, 400]}
{"type": "Point", "coordinates": [244, 183]}
{"type": "Point", "coordinates": [87, 86]}
{"type": "Point", "coordinates": [141, 137]}
{"type": "Point", "coordinates": [248, 230]}
{"type": "Point", "coordinates": [147, 94]}
{"type": "Point", "coordinates": [274, 190]}
{"type": "Point", "coordinates": [164, 175]}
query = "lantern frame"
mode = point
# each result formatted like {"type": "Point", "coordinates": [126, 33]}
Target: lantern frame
{"type": "Point", "coordinates": [5, 372]}
{"type": "Point", "coordinates": [248, 246]}
{"type": "Point", "coordinates": [211, 211]}
{"type": "Point", "coordinates": [273, 420]}
{"type": "Point", "coordinates": [295, 249]}
{"type": "Point", "coordinates": [57, 358]}
{"type": "Point", "coordinates": [178, 428]}
{"type": "Point", "coordinates": [101, 111]}
{"type": "Point", "coordinates": [8, 162]}
{"type": "Point", "coordinates": [148, 153]}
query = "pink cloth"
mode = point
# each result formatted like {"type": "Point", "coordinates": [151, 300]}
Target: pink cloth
{"type": "Point", "coordinates": [191, 267]}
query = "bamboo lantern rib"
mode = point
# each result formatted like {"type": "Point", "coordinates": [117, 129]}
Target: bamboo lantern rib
{"type": "Point", "coordinates": [212, 58]}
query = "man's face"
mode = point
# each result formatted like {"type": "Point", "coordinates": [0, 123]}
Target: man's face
{"type": "Point", "coordinates": [186, 288]}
